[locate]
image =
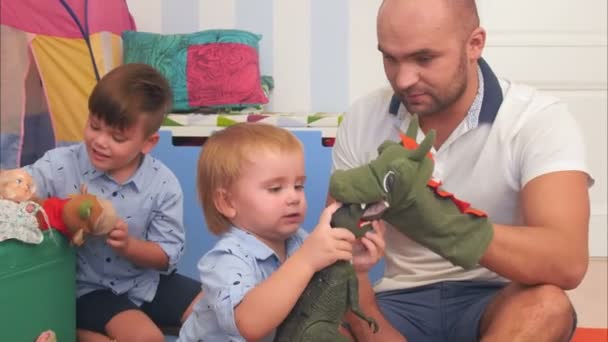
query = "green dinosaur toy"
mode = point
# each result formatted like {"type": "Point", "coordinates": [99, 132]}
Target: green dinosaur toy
{"type": "Point", "coordinates": [319, 311]}
{"type": "Point", "coordinates": [397, 188]}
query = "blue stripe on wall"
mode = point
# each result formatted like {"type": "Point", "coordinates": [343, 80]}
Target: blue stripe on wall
{"type": "Point", "coordinates": [180, 16]}
{"type": "Point", "coordinates": [258, 17]}
{"type": "Point", "coordinates": [329, 55]}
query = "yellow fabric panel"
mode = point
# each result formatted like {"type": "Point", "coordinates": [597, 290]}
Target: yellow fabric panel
{"type": "Point", "coordinates": [67, 73]}
{"type": "Point", "coordinates": [107, 48]}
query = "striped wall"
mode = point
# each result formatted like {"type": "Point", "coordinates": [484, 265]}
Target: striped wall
{"type": "Point", "coordinates": [322, 55]}
{"type": "Point", "coordinates": [317, 67]}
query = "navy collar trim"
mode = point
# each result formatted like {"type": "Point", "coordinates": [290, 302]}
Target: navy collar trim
{"type": "Point", "coordinates": [492, 96]}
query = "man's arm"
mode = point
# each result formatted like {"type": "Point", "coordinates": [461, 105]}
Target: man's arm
{"type": "Point", "coordinates": [359, 328]}
{"type": "Point", "coordinates": [552, 248]}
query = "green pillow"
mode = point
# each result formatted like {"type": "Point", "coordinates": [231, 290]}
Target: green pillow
{"type": "Point", "coordinates": [211, 68]}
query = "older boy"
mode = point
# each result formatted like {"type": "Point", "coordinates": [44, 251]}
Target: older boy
{"type": "Point", "coordinates": [126, 284]}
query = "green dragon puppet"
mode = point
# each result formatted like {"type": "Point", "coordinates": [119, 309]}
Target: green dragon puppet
{"type": "Point", "coordinates": [397, 188]}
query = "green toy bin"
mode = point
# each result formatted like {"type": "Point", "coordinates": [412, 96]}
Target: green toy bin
{"type": "Point", "coordinates": [37, 289]}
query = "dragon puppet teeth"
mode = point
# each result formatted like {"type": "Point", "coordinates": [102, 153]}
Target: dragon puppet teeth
{"type": "Point", "coordinates": [374, 210]}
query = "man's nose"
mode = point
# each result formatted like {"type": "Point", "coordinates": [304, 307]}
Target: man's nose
{"type": "Point", "coordinates": [406, 76]}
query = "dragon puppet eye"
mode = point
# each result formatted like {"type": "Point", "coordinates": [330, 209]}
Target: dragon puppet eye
{"type": "Point", "coordinates": [389, 181]}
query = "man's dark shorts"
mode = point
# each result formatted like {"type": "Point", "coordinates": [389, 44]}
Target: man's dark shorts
{"type": "Point", "coordinates": [447, 311]}
{"type": "Point", "coordinates": [173, 296]}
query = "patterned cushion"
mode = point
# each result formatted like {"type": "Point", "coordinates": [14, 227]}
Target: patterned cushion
{"type": "Point", "coordinates": [18, 221]}
{"type": "Point", "coordinates": [205, 69]}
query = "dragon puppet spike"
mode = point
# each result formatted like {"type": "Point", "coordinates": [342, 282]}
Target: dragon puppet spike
{"type": "Point", "coordinates": [412, 128]}
{"type": "Point", "coordinates": [408, 140]}
{"type": "Point", "coordinates": [425, 147]}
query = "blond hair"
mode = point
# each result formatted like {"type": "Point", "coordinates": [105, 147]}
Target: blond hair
{"type": "Point", "coordinates": [224, 156]}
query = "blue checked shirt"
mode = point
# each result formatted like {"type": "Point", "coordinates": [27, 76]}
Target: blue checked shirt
{"type": "Point", "coordinates": [235, 265]}
{"type": "Point", "coordinates": [150, 202]}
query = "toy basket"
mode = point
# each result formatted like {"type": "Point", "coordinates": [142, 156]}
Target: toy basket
{"type": "Point", "coordinates": [37, 289]}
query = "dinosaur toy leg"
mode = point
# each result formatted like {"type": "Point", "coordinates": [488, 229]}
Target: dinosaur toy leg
{"type": "Point", "coordinates": [353, 299]}
{"type": "Point", "coordinates": [323, 331]}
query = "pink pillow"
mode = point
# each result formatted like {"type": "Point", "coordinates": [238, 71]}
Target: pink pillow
{"type": "Point", "coordinates": [223, 73]}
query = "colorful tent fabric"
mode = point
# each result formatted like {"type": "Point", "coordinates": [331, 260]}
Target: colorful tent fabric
{"type": "Point", "coordinates": [53, 52]}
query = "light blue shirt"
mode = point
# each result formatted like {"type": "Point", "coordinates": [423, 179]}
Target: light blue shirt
{"type": "Point", "coordinates": [150, 202]}
{"type": "Point", "coordinates": [235, 265]}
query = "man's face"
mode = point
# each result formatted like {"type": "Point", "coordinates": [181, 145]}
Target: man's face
{"type": "Point", "coordinates": [424, 56]}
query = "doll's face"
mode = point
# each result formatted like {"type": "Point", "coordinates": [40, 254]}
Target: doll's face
{"type": "Point", "coordinates": [16, 185]}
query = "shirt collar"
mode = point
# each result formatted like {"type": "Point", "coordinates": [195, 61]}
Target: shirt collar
{"type": "Point", "coordinates": [90, 173]}
{"type": "Point", "coordinates": [259, 249]}
{"type": "Point", "coordinates": [487, 101]}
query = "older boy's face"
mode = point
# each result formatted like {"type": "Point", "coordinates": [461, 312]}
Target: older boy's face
{"type": "Point", "coordinates": [269, 199]}
{"type": "Point", "coordinates": [117, 152]}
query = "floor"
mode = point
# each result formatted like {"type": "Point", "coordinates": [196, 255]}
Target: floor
{"type": "Point", "coordinates": [590, 298]}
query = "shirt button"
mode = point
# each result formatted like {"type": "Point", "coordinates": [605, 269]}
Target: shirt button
{"type": "Point", "coordinates": [115, 193]}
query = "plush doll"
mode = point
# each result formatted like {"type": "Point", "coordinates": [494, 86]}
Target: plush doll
{"type": "Point", "coordinates": [79, 215]}
{"type": "Point", "coordinates": [17, 213]}
{"type": "Point", "coordinates": [16, 185]}
{"type": "Point", "coordinates": [397, 188]}
{"type": "Point", "coordinates": [75, 217]}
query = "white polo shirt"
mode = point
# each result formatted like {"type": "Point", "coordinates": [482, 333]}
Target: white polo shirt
{"type": "Point", "coordinates": [517, 134]}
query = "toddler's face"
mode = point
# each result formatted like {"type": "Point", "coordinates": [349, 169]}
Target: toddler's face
{"type": "Point", "coordinates": [269, 199]}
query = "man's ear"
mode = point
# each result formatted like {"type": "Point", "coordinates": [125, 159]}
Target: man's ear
{"type": "Point", "coordinates": [223, 203]}
{"type": "Point", "coordinates": [150, 142]}
{"type": "Point", "coordinates": [476, 43]}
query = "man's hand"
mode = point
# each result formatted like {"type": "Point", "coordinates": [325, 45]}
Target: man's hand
{"type": "Point", "coordinates": [370, 248]}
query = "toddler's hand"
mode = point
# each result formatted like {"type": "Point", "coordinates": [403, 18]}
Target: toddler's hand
{"type": "Point", "coordinates": [326, 245]}
{"type": "Point", "coordinates": [370, 248]}
{"type": "Point", "coordinates": [118, 238]}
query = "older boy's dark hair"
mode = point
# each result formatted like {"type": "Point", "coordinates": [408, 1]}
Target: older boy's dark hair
{"type": "Point", "coordinates": [128, 92]}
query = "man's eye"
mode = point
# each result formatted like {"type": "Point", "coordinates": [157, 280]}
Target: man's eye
{"type": "Point", "coordinates": [299, 187]}
{"type": "Point", "coordinates": [388, 58]}
{"type": "Point", "coordinates": [274, 189]}
{"type": "Point", "coordinates": [424, 59]}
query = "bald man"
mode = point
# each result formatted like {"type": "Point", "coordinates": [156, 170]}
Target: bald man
{"type": "Point", "coordinates": [509, 150]}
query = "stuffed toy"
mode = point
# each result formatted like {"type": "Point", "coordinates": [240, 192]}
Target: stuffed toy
{"type": "Point", "coordinates": [16, 185]}
{"type": "Point", "coordinates": [397, 188]}
{"type": "Point", "coordinates": [75, 217]}
{"type": "Point", "coordinates": [79, 215]}
{"type": "Point", "coordinates": [17, 212]}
